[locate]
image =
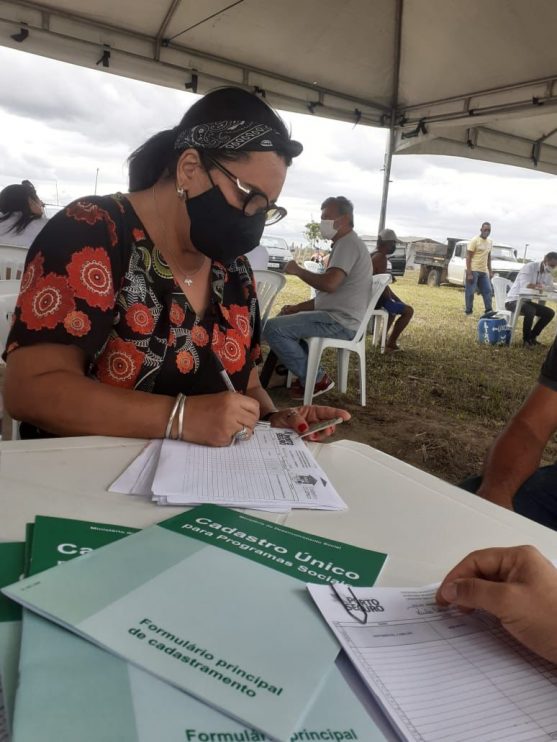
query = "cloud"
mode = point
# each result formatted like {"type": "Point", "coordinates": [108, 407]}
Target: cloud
{"type": "Point", "coordinates": [61, 122]}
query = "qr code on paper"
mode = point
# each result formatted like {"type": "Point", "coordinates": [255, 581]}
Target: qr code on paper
{"type": "Point", "coordinates": [285, 439]}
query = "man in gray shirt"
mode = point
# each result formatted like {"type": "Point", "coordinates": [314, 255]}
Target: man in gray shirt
{"type": "Point", "coordinates": [341, 300]}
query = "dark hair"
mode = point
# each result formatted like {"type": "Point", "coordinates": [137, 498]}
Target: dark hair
{"type": "Point", "coordinates": [344, 206]}
{"type": "Point", "coordinates": [14, 199]}
{"type": "Point", "coordinates": [550, 256]}
{"type": "Point", "coordinates": [488, 224]}
{"type": "Point", "coordinates": [157, 157]}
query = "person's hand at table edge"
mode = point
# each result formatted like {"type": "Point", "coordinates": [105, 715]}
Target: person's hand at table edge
{"type": "Point", "coordinates": [517, 585]}
{"type": "Point", "coordinates": [300, 418]}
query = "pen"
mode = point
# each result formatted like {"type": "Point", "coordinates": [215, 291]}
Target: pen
{"type": "Point", "coordinates": [224, 376]}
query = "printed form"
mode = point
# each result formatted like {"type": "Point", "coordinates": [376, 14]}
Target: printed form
{"type": "Point", "coordinates": [274, 471]}
{"type": "Point", "coordinates": [441, 675]}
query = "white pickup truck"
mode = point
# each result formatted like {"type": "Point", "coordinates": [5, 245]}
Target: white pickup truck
{"type": "Point", "coordinates": [447, 263]}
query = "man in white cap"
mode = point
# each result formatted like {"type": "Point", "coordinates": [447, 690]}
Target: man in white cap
{"type": "Point", "coordinates": [386, 245]}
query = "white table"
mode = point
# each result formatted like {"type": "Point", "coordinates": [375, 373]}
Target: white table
{"type": "Point", "coordinates": [530, 295]}
{"type": "Point", "coordinates": [424, 524]}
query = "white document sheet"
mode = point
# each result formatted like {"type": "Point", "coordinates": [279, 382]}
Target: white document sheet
{"type": "Point", "coordinates": [440, 675]}
{"type": "Point", "coordinates": [137, 479]}
{"type": "Point", "coordinates": [274, 469]}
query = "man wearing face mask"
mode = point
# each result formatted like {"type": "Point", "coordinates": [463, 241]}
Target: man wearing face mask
{"type": "Point", "coordinates": [386, 245]}
{"type": "Point", "coordinates": [478, 270]}
{"type": "Point", "coordinates": [537, 276]}
{"type": "Point", "coordinates": [340, 302]}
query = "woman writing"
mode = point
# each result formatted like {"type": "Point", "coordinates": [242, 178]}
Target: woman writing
{"type": "Point", "coordinates": [149, 293]}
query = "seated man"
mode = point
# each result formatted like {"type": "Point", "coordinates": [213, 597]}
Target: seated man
{"type": "Point", "coordinates": [511, 475]}
{"type": "Point", "coordinates": [340, 302]}
{"type": "Point", "coordinates": [535, 275]}
{"type": "Point", "coordinates": [386, 245]}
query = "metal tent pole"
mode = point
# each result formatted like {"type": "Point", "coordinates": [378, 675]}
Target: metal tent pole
{"type": "Point", "coordinates": [392, 123]}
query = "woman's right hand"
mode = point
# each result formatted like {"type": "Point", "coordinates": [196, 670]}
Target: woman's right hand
{"type": "Point", "coordinates": [517, 585]}
{"type": "Point", "coordinates": [214, 419]}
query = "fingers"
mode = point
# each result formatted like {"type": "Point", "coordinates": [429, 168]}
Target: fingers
{"type": "Point", "coordinates": [476, 593]}
{"type": "Point", "coordinates": [314, 413]}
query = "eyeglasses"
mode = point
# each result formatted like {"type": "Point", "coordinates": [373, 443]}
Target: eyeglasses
{"type": "Point", "coordinates": [254, 201]}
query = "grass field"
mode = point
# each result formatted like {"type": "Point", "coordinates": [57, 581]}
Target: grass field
{"type": "Point", "coordinates": [440, 402]}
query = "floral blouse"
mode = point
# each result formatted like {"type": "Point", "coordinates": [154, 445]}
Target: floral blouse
{"type": "Point", "coordinates": [94, 279]}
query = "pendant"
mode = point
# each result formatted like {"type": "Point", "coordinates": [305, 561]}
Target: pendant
{"type": "Point", "coordinates": [188, 281]}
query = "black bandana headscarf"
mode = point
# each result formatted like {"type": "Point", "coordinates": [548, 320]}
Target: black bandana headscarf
{"type": "Point", "coordinates": [233, 119]}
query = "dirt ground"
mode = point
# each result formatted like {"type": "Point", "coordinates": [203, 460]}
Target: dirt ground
{"type": "Point", "coordinates": [424, 437]}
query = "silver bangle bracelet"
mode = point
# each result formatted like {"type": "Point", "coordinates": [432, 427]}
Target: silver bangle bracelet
{"type": "Point", "coordinates": [168, 431]}
{"type": "Point", "coordinates": [181, 406]}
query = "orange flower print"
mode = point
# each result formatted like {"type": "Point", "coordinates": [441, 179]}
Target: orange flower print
{"type": "Point", "coordinates": [77, 323]}
{"type": "Point", "coordinates": [239, 319]}
{"type": "Point", "coordinates": [199, 335]}
{"type": "Point", "coordinates": [140, 319]}
{"type": "Point", "coordinates": [120, 363]}
{"type": "Point", "coordinates": [233, 352]}
{"type": "Point", "coordinates": [90, 276]}
{"type": "Point", "coordinates": [177, 314]}
{"type": "Point", "coordinates": [47, 303]}
{"type": "Point", "coordinates": [84, 211]}
{"type": "Point", "coordinates": [184, 361]}
{"type": "Point", "coordinates": [138, 234]}
{"type": "Point", "coordinates": [32, 273]}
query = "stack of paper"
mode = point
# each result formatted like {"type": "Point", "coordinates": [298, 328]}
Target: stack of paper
{"type": "Point", "coordinates": [211, 602]}
{"type": "Point", "coordinates": [440, 675]}
{"type": "Point", "coordinates": [273, 471]}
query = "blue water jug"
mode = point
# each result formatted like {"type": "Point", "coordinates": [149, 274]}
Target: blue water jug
{"type": "Point", "coordinates": [494, 331]}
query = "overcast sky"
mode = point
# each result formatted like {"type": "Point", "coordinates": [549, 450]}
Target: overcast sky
{"type": "Point", "coordinates": [60, 123]}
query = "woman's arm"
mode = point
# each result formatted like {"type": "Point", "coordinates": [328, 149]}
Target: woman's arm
{"type": "Point", "coordinates": [46, 385]}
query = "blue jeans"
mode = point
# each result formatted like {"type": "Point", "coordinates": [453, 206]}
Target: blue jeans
{"type": "Point", "coordinates": [536, 498]}
{"type": "Point", "coordinates": [481, 281]}
{"type": "Point", "coordinates": [284, 335]}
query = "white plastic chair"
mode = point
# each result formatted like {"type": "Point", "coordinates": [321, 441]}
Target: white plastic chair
{"type": "Point", "coordinates": [317, 345]}
{"type": "Point", "coordinates": [378, 325]}
{"type": "Point", "coordinates": [501, 288]}
{"type": "Point", "coordinates": [9, 287]}
{"type": "Point", "coordinates": [7, 306]}
{"type": "Point", "coordinates": [313, 267]}
{"type": "Point", "coordinates": [12, 260]}
{"type": "Point", "coordinates": [267, 284]}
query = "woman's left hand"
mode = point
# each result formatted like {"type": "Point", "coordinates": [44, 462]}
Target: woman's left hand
{"type": "Point", "coordinates": [300, 418]}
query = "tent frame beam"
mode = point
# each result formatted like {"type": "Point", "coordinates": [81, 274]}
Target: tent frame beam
{"type": "Point", "coordinates": [316, 90]}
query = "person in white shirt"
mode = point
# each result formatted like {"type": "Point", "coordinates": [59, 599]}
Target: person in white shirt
{"type": "Point", "coordinates": [535, 276]}
{"type": "Point", "coordinates": [21, 214]}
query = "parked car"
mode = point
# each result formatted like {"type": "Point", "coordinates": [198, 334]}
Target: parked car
{"type": "Point", "coordinates": [447, 263]}
{"type": "Point", "coordinates": [396, 261]}
{"type": "Point", "coordinates": [278, 250]}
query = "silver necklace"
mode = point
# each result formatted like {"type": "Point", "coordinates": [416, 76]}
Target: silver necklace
{"type": "Point", "coordinates": [186, 278]}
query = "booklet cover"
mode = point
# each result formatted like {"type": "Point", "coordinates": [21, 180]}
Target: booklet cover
{"type": "Point", "coordinates": [70, 689]}
{"type": "Point", "coordinates": [181, 600]}
{"type": "Point", "coordinates": [11, 568]}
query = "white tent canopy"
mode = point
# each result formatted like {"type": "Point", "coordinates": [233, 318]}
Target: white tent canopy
{"type": "Point", "coordinates": [474, 78]}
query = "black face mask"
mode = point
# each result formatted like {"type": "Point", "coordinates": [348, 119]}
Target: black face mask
{"type": "Point", "coordinates": [391, 250]}
{"type": "Point", "coordinates": [219, 230]}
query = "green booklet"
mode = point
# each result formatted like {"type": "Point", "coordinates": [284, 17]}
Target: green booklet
{"type": "Point", "coordinates": [191, 601]}
{"type": "Point", "coordinates": [105, 698]}
{"type": "Point", "coordinates": [12, 559]}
